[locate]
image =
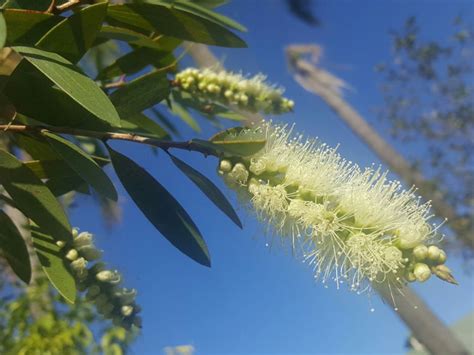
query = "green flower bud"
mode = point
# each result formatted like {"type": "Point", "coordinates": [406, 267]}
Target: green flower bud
{"type": "Point", "coordinates": [92, 292]}
{"type": "Point", "coordinates": [420, 252]}
{"type": "Point", "coordinates": [422, 272]}
{"type": "Point", "coordinates": [89, 252]}
{"type": "Point", "coordinates": [410, 276]}
{"type": "Point", "coordinates": [137, 322]}
{"type": "Point", "coordinates": [442, 256]}
{"type": "Point", "coordinates": [108, 276]}
{"type": "Point", "coordinates": [60, 243]}
{"type": "Point", "coordinates": [126, 296]}
{"type": "Point", "coordinates": [433, 253]}
{"type": "Point", "coordinates": [79, 265]}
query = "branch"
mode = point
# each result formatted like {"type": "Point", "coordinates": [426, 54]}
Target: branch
{"type": "Point", "coordinates": [104, 136]}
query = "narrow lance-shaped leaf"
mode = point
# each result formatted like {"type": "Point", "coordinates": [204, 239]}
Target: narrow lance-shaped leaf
{"type": "Point", "coordinates": [209, 189]}
{"type": "Point", "coordinates": [53, 263]}
{"type": "Point", "coordinates": [83, 165]}
{"type": "Point", "coordinates": [73, 36]}
{"type": "Point", "coordinates": [170, 21]}
{"type": "Point", "coordinates": [71, 81]}
{"type": "Point", "coordinates": [14, 249]}
{"type": "Point", "coordinates": [33, 198]}
{"type": "Point", "coordinates": [141, 93]}
{"type": "Point", "coordinates": [161, 208]}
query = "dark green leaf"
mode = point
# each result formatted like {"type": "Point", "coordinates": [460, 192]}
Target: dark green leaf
{"type": "Point", "coordinates": [139, 123]}
{"type": "Point", "coordinates": [62, 185]}
{"type": "Point", "coordinates": [199, 10]}
{"type": "Point", "coordinates": [35, 5]}
{"type": "Point", "coordinates": [73, 36]}
{"type": "Point", "coordinates": [3, 30]}
{"type": "Point", "coordinates": [76, 85]}
{"type": "Point", "coordinates": [161, 208]}
{"type": "Point", "coordinates": [36, 147]}
{"type": "Point", "coordinates": [141, 93]}
{"type": "Point", "coordinates": [208, 188]}
{"type": "Point", "coordinates": [53, 263]}
{"type": "Point", "coordinates": [129, 36]}
{"type": "Point", "coordinates": [83, 165]}
{"type": "Point", "coordinates": [14, 249]}
{"type": "Point", "coordinates": [45, 169]}
{"type": "Point", "coordinates": [33, 198]}
{"type": "Point", "coordinates": [135, 61]}
{"type": "Point", "coordinates": [27, 27]}
{"type": "Point", "coordinates": [167, 20]}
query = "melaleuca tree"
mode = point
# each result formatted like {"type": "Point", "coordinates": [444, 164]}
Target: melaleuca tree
{"type": "Point", "coordinates": [78, 75]}
{"type": "Point", "coordinates": [429, 101]}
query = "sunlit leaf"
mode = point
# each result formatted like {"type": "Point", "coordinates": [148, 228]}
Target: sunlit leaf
{"type": "Point", "coordinates": [72, 82]}
{"type": "Point", "coordinates": [53, 263]}
{"type": "Point", "coordinates": [161, 208]}
{"type": "Point", "coordinates": [73, 36]}
{"type": "Point", "coordinates": [33, 198]}
{"type": "Point", "coordinates": [3, 30]}
{"type": "Point", "coordinates": [83, 165]}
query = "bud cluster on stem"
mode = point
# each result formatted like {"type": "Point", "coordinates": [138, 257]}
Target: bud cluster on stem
{"type": "Point", "coordinates": [354, 225]}
{"type": "Point", "coordinates": [102, 286]}
{"type": "Point", "coordinates": [249, 94]}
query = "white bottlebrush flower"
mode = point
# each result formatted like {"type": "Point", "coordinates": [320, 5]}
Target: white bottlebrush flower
{"type": "Point", "coordinates": [353, 225]}
{"type": "Point", "coordinates": [227, 88]}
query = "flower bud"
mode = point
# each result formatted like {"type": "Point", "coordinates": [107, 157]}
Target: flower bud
{"type": "Point", "coordinates": [79, 264]}
{"type": "Point", "coordinates": [92, 292]}
{"type": "Point", "coordinates": [82, 239]}
{"type": "Point", "coordinates": [422, 272]}
{"type": "Point", "coordinates": [225, 166]}
{"type": "Point", "coordinates": [60, 243]}
{"type": "Point", "coordinates": [444, 273]}
{"type": "Point", "coordinates": [89, 252]}
{"type": "Point", "coordinates": [420, 252]}
{"type": "Point", "coordinates": [442, 256]}
{"type": "Point", "coordinates": [433, 253]}
{"type": "Point", "coordinates": [410, 276]}
{"type": "Point", "coordinates": [137, 322]}
{"type": "Point", "coordinates": [126, 296]}
{"type": "Point", "coordinates": [108, 276]}
{"type": "Point", "coordinates": [72, 255]}
{"type": "Point", "coordinates": [126, 310]}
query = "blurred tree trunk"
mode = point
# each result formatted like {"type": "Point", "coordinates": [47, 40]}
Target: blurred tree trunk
{"type": "Point", "coordinates": [426, 327]}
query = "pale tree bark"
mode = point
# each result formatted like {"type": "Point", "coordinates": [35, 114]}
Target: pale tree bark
{"type": "Point", "coordinates": [424, 324]}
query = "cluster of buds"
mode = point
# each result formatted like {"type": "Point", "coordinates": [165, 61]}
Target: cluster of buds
{"type": "Point", "coordinates": [230, 89]}
{"type": "Point", "coordinates": [102, 286]}
{"type": "Point", "coordinates": [353, 225]}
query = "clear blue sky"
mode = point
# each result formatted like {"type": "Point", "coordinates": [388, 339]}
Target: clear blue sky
{"type": "Point", "coordinates": [254, 300]}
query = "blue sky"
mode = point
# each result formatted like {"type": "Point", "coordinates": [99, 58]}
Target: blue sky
{"type": "Point", "coordinates": [254, 300]}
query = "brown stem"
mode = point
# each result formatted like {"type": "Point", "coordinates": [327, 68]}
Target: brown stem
{"type": "Point", "coordinates": [131, 137]}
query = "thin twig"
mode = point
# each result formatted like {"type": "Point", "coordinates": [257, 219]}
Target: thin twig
{"type": "Point", "coordinates": [104, 136]}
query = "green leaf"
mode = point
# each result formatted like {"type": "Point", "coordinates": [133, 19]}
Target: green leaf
{"type": "Point", "coordinates": [14, 249]}
{"type": "Point", "coordinates": [73, 36]}
{"type": "Point", "coordinates": [35, 5]}
{"type": "Point", "coordinates": [170, 21]}
{"type": "Point", "coordinates": [209, 189]}
{"type": "Point", "coordinates": [182, 113]}
{"type": "Point", "coordinates": [83, 165]}
{"type": "Point", "coordinates": [62, 185]}
{"type": "Point", "coordinates": [33, 198]}
{"type": "Point", "coordinates": [27, 27]}
{"type": "Point", "coordinates": [36, 146]}
{"type": "Point", "coordinates": [199, 10]}
{"type": "Point", "coordinates": [233, 148]}
{"type": "Point", "coordinates": [3, 30]}
{"type": "Point", "coordinates": [141, 93]}
{"type": "Point", "coordinates": [139, 123]}
{"type": "Point", "coordinates": [45, 169]}
{"type": "Point", "coordinates": [71, 81]}
{"type": "Point", "coordinates": [131, 37]}
{"type": "Point", "coordinates": [161, 208]}
{"type": "Point", "coordinates": [135, 61]}
{"type": "Point", "coordinates": [53, 264]}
